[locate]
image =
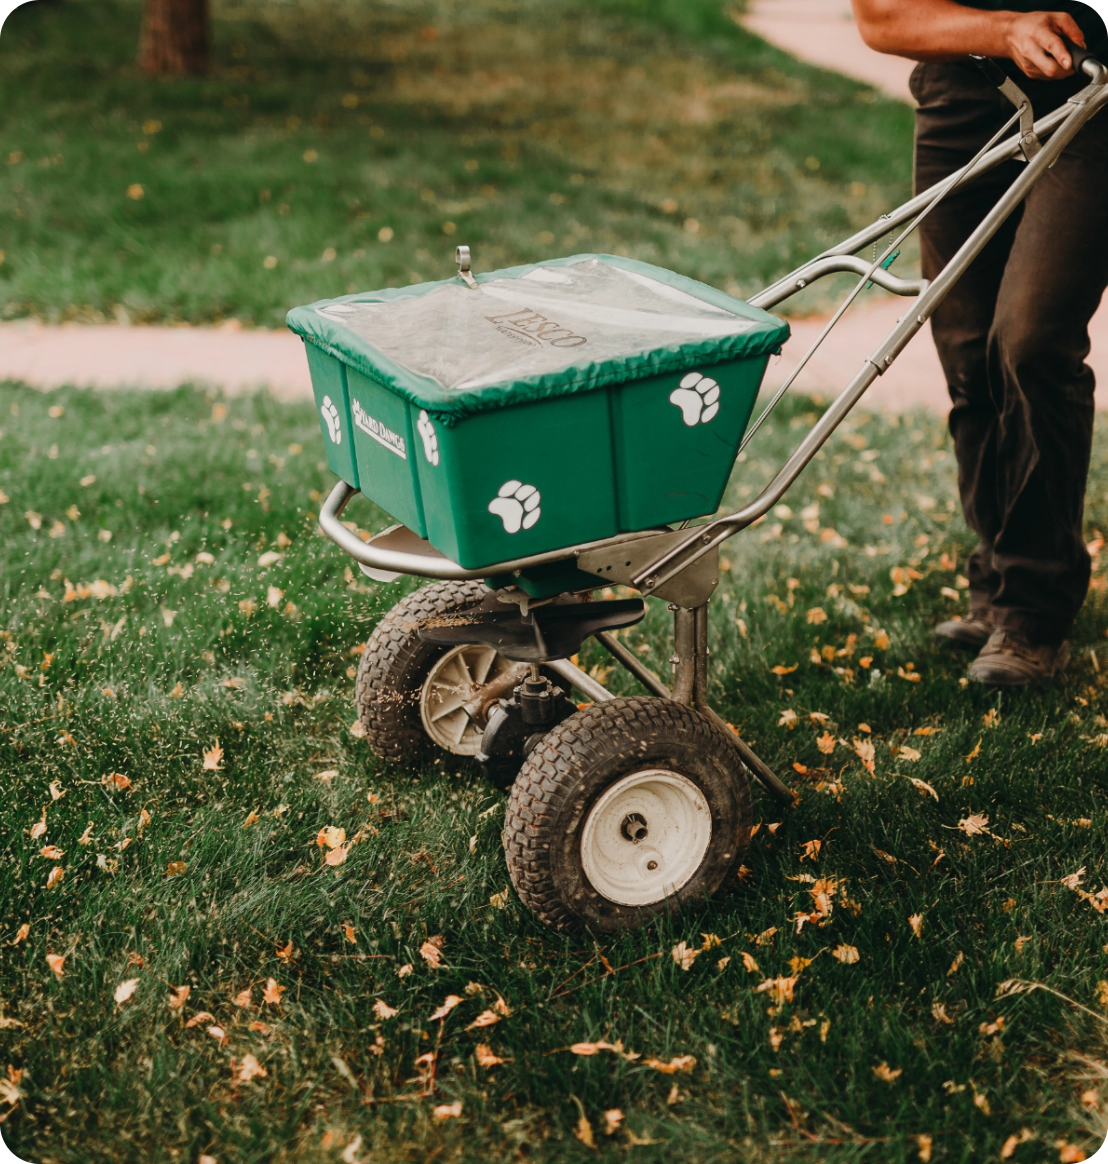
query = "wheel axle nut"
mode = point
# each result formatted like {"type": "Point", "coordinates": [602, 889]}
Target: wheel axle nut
{"type": "Point", "coordinates": [634, 827]}
{"type": "Point", "coordinates": [652, 865]}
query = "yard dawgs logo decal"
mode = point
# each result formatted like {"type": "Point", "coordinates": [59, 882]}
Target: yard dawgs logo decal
{"type": "Point", "coordinates": [529, 327]}
{"type": "Point", "coordinates": [381, 433]}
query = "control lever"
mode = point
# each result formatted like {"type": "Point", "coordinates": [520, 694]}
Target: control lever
{"type": "Point", "coordinates": [995, 75]}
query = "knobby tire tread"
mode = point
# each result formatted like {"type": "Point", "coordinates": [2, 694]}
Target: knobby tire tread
{"type": "Point", "coordinates": [394, 665]}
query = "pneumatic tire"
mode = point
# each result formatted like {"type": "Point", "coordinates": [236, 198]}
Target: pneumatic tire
{"type": "Point", "coordinates": [395, 666]}
{"type": "Point", "coordinates": [626, 810]}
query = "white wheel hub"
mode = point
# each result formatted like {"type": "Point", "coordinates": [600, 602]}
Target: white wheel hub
{"type": "Point", "coordinates": [454, 682]}
{"type": "Point", "coordinates": [645, 837]}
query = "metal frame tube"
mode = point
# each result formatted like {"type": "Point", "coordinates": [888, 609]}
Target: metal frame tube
{"type": "Point", "coordinates": [705, 538]}
{"type": "Point", "coordinates": [642, 673]}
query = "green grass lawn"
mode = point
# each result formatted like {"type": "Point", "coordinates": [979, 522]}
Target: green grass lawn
{"type": "Point", "coordinates": [336, 148]}
{"type": "Point", "coordinates": [166, 598]}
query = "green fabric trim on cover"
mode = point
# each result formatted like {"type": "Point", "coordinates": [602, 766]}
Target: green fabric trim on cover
{"type": "Point", "coordinates": [449, 405]}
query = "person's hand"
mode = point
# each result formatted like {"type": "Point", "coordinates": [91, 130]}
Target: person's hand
{"type": "Point", "coordinates": [1036, 42]}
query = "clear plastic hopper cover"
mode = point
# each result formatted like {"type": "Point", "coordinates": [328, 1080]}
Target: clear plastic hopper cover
{"type": "Point", "coordinates": [547, 320]}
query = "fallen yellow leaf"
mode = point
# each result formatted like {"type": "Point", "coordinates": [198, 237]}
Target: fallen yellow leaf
{"type": "Point", "coordinates": [249, 1069]}
{"type": "Point", "coordinates": [125, 989]}
{"type": "Point", "coordinates": [684, 955]}
{"type": "Point", "coordinates": [450, 1002]}
{"type": "Point", "coordinates": [678, 1063]}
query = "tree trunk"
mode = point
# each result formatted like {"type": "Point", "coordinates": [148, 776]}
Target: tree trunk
{"type": "Point", "coordinates": [175, 37]}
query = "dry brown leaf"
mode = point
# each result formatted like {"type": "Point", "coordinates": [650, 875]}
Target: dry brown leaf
{"type": "Point", "coordinates": [916, 922]}
{"type": "Point", "coordinates": [1070, 1153]}
{"type": "Point", "coordinates": [349, 934]}
{"type": "Point", "coordinates": [213, 758]}
{"type": "Point", "coordinates": [485, 1056]}
{"type": "Point", "coordinates": [286, 953]}
{"type": "Point", "coordinates": [723, 963]}
{"type": "Point", "coordinates": [975, 753]}
{"type": "Point", "coordinates": [865, 752]}
{"type": "Point", "coordinates": [337, 856]}
{"type": "Point", "coordinates": [485, 1019]}
{"type": "Point", "coordinates": [613, 1118]}
{"type": "Point", "coordinates": [595, 1048]}
{"type": "Point", "coordinates": [350, 1152]}
{"type": "Point", "coordinates": [887, 1074]}
{"type": "Point", "coordinates": [39, 827]}
{"type": "Point", "coordinates": [678, 1063]}
{"type": "Point", "coordinates": [124, 990]}
{"type": "Point", "coordinates": [809, 850]}
{"type": "Point", "coordinates": [52, 852]}
{"type": "Point", "coordinates": [924, 788]}
{"type": "Point", "coordinates": [765, 938]}
{"type": "Point", "coordinates": [781, 989]}
{"type": "Point", "coordinates": [924, 1143]}
{"type": "Point", "coordinates": [176, 868]}
{"type": "Point", "coordinates": [55, 877]}
{"type": "Point", "coordinates": [243, 998]}
{"type": "Point", "coordinates": [956, 965]}
{"type": "Point", "coordinates": [583, 1132]}
{"type": "Point", "coordinates": [848, 955]}
{"type": "Point", "coordinates": [780, 669]}
{"type": "Point", "coordinates": [56, 963]}
{"type": "Point", "coordinates": [448, 1111]}
{"type": "Point", "coordinates": [431, 951]}
{"type": "Point", "coordinates": [906, 753]}
{"type": "Point", "coordinates": [449, 1003]}
{"type": "Point", "coordinates": [201, 1016]}
{"type": "Point", "coordinates": [330, 837]}
{"type": "Point", "coordinates": [218, 1033]}
{"type": "Point", "coordinates": [710, 942]}
{"type": "Point", "coordinates": [21, 933]}
{"type": "Point", "coordinates": [272, 993]}
{"type": "Point", "coordinates": [179, 996]}
{"type": "Point", "coordinates": [86, 837]}
{"type": "Point", "coordinates": [749, 964]}
{"type": "Point", "coordinates": [973, 825]}
{"type": "Point", "coordinates": [117, 781]}
{"type": "Point", "coordinates": [826, 743]}
{"type": "Point", "coordinates": [260, 1027]}
{"type": "Point", "coordinates": [684, 955]}
{"type": "Point", "coordinates": [938, 1013]}
{"type": "Point", "coordinates": [249, 1069]}
{"type": "Point", "coordinates": [252, 818]}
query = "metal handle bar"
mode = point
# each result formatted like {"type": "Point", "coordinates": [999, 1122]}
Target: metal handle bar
{"type": "Point", "coordinates": [705, 538]}
{"type": "Point", "coordinates": [827, 265]}
{"type": "Point", "coordinates": [1044, 127]}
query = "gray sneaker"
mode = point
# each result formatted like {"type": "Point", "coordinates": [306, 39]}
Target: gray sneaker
{"type": "Point", "coordinates": [1008, 659]}
{"type": "Point", "coordinates": [966, 634]}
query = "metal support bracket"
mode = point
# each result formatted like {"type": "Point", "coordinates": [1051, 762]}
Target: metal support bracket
{"type": "Point", "coordinates": [625, 564]}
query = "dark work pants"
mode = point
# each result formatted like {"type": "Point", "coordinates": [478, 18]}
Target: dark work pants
{"type": "Point", "coordinates": [1012, 337]}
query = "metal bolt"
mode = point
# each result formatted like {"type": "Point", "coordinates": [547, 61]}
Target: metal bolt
{"type": "Point", "coordinates": [652, 865]}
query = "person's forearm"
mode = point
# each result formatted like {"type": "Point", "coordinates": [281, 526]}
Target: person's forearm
{"type": "Point", "coordinates": [931, 30]}
{"type": "Point", "coordinates": [942, 30]}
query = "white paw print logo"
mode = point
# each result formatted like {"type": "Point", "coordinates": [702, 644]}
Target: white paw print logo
{"type": "Point", "coordinates": [517, 506]}
{"type": "Point", "coordinates": [697, 397]}
{"type": "Point", "coordinates": [430, 441]}
{"type": "Point", "coordinates": [330, 416]}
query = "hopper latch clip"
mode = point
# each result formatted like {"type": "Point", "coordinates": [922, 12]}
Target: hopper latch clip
{"type": "Point", "coordinates": [461, 257]}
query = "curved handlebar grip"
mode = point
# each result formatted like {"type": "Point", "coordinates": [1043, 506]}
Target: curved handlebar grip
{"type": "Point", "coordinates": [1081, 58]}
